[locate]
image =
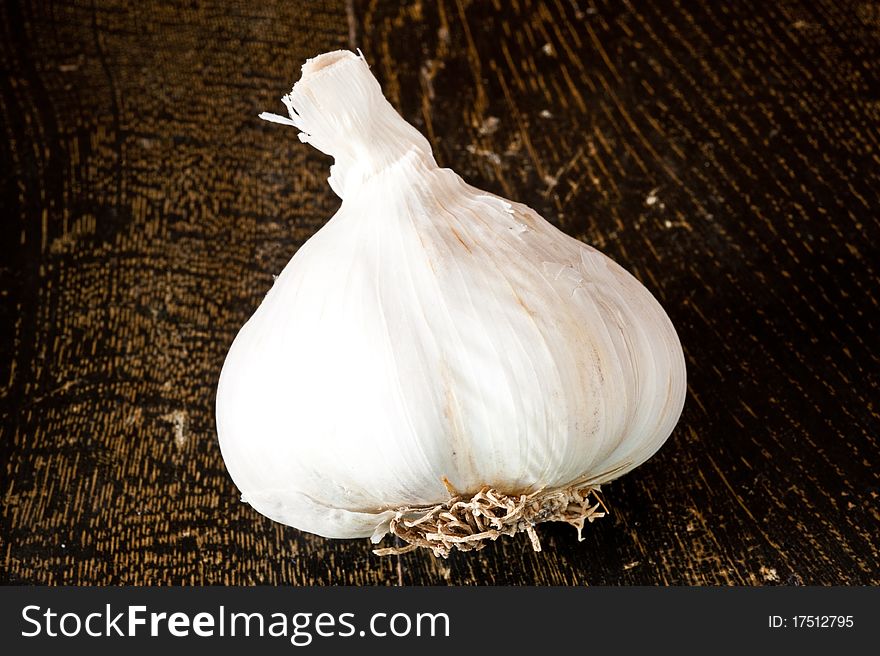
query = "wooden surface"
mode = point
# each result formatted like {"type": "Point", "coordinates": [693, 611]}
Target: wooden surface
{"type": "Point", "coordinates": [725, 153]}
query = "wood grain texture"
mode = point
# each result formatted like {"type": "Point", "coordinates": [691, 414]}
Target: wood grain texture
{"type": "Point", "coordinates": [725, 153]}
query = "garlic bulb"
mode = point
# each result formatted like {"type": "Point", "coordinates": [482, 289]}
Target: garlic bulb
{"type": "Point", "coordinates": [436, 361]}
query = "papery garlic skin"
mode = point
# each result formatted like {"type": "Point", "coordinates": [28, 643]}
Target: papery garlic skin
{"type": "Point", "coordinates": [433, 331]}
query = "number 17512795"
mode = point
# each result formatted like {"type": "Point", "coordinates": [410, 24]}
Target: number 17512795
{"type": "Point", "coordinates": [811, 622]}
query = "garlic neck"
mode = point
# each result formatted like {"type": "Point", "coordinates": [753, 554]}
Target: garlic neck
{"type": "Point", "coordinates": [339, 108]}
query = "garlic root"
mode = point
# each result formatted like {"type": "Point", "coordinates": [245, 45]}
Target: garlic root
{"type": "Point", "coordinates": [468, 524]}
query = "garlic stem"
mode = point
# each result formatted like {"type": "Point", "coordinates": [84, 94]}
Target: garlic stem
{"type": "Point", "coordinates": [339, 108]}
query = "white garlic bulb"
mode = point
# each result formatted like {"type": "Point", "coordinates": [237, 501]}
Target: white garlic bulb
{"type": "Point", "coordinates": [436, 361]}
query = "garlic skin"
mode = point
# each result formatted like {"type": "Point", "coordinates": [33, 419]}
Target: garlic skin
{"type": "Point", "coordinates": [433, 334]}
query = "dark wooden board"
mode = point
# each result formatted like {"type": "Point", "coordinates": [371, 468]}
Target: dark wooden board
{"type": "Point", "coordinates": [725, 153]}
